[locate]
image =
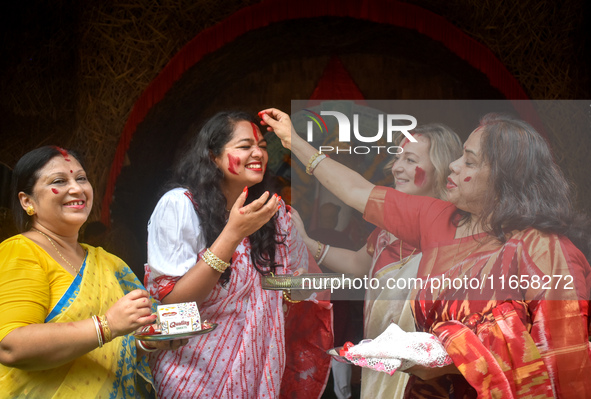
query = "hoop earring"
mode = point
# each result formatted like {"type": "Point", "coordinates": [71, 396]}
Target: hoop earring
{"type": "Point", "coordinates": [30, 210]}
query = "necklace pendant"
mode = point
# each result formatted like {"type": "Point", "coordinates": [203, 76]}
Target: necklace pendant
{"type": "Point", "coordinates": [77, 271]}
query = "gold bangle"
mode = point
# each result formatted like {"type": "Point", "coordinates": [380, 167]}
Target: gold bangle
{"type": "Point", "coordinates": [106, 329]}
{"type": "Point", "coordinates": [325, 251]}
{"type": "Point", "coordinates": [214, 262]}
{"type": "Point", "coordinates": [318, 251]}
{"type": "Point", "coordinates": [314, 161]}
{"type": "Point", "coordinates": [288, 298]}
{"type": "Point", "coordinates": [98, 330]}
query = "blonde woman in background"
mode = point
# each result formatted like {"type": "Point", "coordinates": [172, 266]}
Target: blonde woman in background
{"type": "Point", "coordinates": [421, 169]}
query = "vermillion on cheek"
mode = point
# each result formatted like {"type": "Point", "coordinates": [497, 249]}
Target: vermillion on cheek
{"type": "Point", "coordinates": [419, 176]}
{"type": "Point", "coordinates": [233, 164]}
{"type": "Point", "coordinates": [54, 190]}
{"type": "Point", "coordinates": [467, 179]}
{"type": "Point", "coordinates": [254, 132]}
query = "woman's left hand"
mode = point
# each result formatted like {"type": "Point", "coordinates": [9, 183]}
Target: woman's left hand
{"type": "Point", "coordinates": [246, 219]}
{"type": "Point", "coordinates": [167, 345]}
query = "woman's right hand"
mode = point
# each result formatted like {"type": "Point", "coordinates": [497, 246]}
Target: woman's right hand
{"type": "Point", "coordinates": [129, 313]}
{"type": "Point", "coordinates": [245, 220]}
{"type": "Point", "coordinates": [279, 122]}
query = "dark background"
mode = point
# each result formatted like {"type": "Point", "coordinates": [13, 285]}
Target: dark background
{"type": "Point", "coordinates": [71, 71]}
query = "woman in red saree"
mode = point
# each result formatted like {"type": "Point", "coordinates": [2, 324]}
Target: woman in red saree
{"type": "Point", "coordinates": [504, 276]}
{"type": "Point", "coordinates": [421, 170]}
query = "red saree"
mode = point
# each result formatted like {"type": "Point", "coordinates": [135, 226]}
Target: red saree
{"type": "Point", "coordinates": [522, 331]}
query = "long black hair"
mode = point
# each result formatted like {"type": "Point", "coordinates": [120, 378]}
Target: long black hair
{"type": "Point", "coordinates": [527, 188]}
{"type": "Point", "coordinates": [26, 174]}
{"type": "Point", "coordinates": [196, 171]}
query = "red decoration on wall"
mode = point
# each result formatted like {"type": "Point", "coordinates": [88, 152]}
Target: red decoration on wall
{"type": "Point", "coordinates": [336, 83]}
{"type": "Point", "coordinates": [266, 12]}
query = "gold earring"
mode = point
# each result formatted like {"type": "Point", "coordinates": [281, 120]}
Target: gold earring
{"type": "Point", "coordinates": [30, 210]}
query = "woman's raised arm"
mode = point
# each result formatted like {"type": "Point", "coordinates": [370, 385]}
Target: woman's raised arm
{"type": "Point", "coordinates": [348, 185]}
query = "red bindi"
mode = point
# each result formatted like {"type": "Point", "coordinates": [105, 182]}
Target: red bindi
{"type": "Point", "coordinates": [467, 179]}
{"type": "Point", "coordinates": [233, 164]}
{"type": "Point", "coordinates": [419, 176]}
{"type": "Point", "coordinates": [71, 172]}
{"type": "Point", "coordinates": [255, 133]}
{"type": "Point", "coordinates": [54, 190]}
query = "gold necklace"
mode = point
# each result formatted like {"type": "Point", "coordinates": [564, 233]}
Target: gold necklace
{"type": "Point", "coordinates": [480, 242]}
{"type": "Point", "coordinates": [470, 253]}
{"type": "Point", "coordinates": [59, 253]}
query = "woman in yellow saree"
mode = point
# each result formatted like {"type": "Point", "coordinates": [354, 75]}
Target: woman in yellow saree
{"type": "Point", "coordinates": [66, 309]}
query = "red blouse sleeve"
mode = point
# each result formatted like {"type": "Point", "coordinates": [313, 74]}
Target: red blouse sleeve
{"type": "Point", "coordinates": [415, 219]}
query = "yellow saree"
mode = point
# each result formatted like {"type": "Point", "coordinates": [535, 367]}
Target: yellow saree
{"type": "Point", "coordinates": [112, 371]}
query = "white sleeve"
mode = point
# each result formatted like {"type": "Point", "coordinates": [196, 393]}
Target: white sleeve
{"type": "Point", "coordinates": [174, 235]}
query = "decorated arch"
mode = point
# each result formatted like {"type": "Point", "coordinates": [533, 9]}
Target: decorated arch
{"type": "Point", "coordinates": [326, 26]}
